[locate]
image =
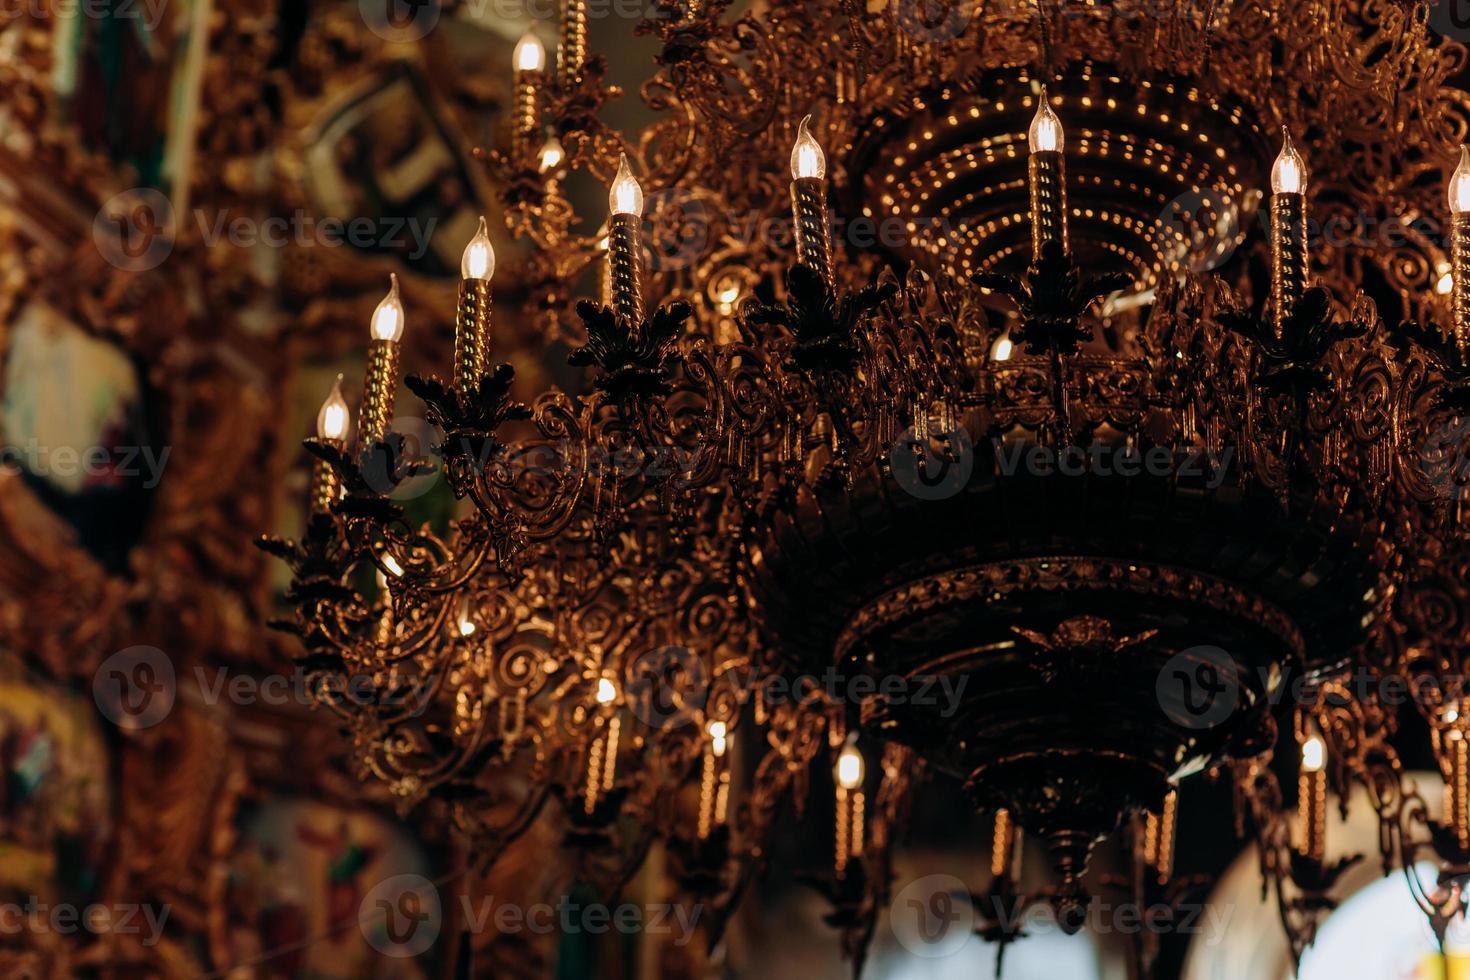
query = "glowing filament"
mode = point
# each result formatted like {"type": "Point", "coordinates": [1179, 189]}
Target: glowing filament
{"type": "Point", "coordinates": [334, 418]}
{"type": "Point", "coordinates": [1289, 173]}
{"type": "Point", "coordinates": [1045, 135]}
{"type": "Point", "coordinates": [626, 195]}
{"type": "Point", "coordinates": [387, 323]}
{"type": "Point", "coordinates": [807, 158]}
{"type": "Point", "coordinates": [478, 261]}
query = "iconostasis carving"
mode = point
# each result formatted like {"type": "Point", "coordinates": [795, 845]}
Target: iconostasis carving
{"type": "Point", "coordinates": [182, 284]}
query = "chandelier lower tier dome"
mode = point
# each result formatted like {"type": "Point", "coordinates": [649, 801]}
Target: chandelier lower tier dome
{"type": "Point", "coordinates": [1130, 627]}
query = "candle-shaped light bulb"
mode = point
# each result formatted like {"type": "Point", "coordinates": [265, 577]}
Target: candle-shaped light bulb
{"type": "Point", "coordinates": [1045, 135]}
{"type": "Point", "coordinates": [607, 691]}
{"type": "Point", "coordinates": [626, 194]}
{"type": "Point", "coordinates": [1288, 233]}
{"type": "Point", "coordinates": [1289, 173]}
{"type": "Point", "coordinates": [387, 322]}
{"type": "Point", "coordinates": [530, 53]}
{"type": "Point", "coordinates": [625, 252]}
{"type": "Point", "coordinates": [1046, 180]}
{"type": "Point", "coordinates": [332, 423]}
{"type": "Point", "coordinates": [849, 770]}
{"type": "Point", "coordinates": [716, 731]}
{"type": "Point", "coordinates": [334, 418]}
{"type": "Point", "coordinates": [1312, 800]}
{"type": "Point", "coordinates": [478, 261]}
{"type": "Point", "coordinates": [381, 384]}
{"type": "Point", "coordinates": [807, 158]}
{"type": "Point", "coordinates": [1459, 272]}
{"type": "Point", "coordinates": [809, 202]}
{"type": "Point", "coordinates": [1460, 185]}
{"type": "Point", "coordinates": [1002, 348]}
{"type": "Point", "coordinates": [529, 58]}
{"type": "Point", "coordinates": [551, 156]}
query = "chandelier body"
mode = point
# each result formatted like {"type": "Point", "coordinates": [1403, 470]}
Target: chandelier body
{"type": "Point", "coordinates": [1078, 444]}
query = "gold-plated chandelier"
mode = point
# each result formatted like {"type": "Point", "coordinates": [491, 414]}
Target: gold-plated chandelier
{"type": "Point", "coordinates": [797, 460]}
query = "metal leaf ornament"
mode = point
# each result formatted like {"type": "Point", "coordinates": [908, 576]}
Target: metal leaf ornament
{"type": "Point", "coordinates": [470, 423]}
{"type": "Point", "coordinates": [636, 362]}
{"type": "Point", "coordinates": [823, 324]}
{"type": "Point", "coordinates": [1052, 296]}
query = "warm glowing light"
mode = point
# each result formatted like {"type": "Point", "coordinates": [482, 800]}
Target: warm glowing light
{"type": "Point", "coordinates": [1046, 134]}
{"type": "Point", "coordinates": [388, 317]}
{"type": "Point", "coordinates": [479, 256]}
{"type": "Point", "coordinates": [466, 627]}
{"type": "Point", "coordinates": [1314, 755]}
{"type": "Point", "coordinates": [530, 53]}
{"type": "Point", "coordinates": [1289, 174]}
{"type": "Point", "coordinates": [626, 195]}
{"type": "Point", "coordinates": [850, 768]}
{"type": "Point", "coordinates": [333, 419]}
{"type": "Point", "coordinates": [552, 154]}
{"type": "Point", "coordinates": [607, 691]}
{"type": "Point", "coordinates": [807, 158]}
{"type": "Point", "coordinates": [391, 563]}
{"type": "Point", "coordinates": [1446, 283]}
{"type": "Point", "coordinates": [1460, 184]}
{"type": "Point", "coordinates": [1001, 349]}
{"type": "Point", "coordinates": [716, 731]}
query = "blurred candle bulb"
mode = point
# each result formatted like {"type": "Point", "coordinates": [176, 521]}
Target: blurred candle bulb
{"type": "Point", "coordinates": [626, 195]}
{"type": "Point", "coordinates": [1460, 184]}
{"type": "Point", "coordinates": [607, 691]}
{"type": "Point", "coordinates": [552, 154]}
{"type": "Point", "coordinates": [717, 738]}
{"type": "Point", "coordinates": [391, 563]}
{"type": "Point", "coordinates": [1314, 754]}
{"type": "Point", "coordinates": [1045, 135]}
{"type": "Point", "coordinates": [1289, 173]}
{"type": "Point", "coordinates": [850, 768]}
{"type": "Point", "coordinates": [332, 421]}
{"type": "Point", "coordinates": [807, 158]}
{"type": "Point", "coordinates": [530, 53]}
{"type": "Point", "coordinates": [387, 323]}
{"type": "Point", "coordinates": [1001, 349]}
{"type": "Point", "coordinates": [478, 261]}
